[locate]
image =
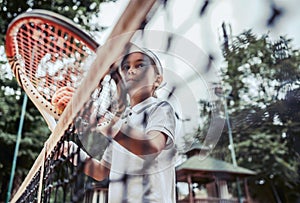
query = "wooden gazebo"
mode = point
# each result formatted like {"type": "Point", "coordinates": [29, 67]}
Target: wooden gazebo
{"type": "Point", "coordinates": [213, 175]}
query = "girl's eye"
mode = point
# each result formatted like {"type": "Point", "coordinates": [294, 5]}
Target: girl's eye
{"type": "Point", "coordinates": [140, 65]}
{"type": "Point", "coordinates": [125, 67]}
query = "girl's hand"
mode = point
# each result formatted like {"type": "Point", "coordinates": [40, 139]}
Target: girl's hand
{"type": "Point", "coordinates": [111, 128]}
{"type": "Point", "coordinates": [62, 97]}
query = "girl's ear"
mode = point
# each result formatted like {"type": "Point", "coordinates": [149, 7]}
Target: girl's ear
{"type": "Point", "coordinates": [158, 81]}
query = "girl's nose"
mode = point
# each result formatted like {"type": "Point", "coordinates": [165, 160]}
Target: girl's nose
{"type": "Point", "coordinates": [131, 70]}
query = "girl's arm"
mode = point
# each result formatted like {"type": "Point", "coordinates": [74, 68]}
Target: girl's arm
{"type": "Point", "coordinates": [151, 143]}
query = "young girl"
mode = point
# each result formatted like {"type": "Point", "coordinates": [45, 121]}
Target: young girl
{"type": "Point", "coordinates": [140, 159]}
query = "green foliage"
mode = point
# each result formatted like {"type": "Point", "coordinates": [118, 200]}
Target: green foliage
{"type": "Point", "coordinates": [262, 74]}
{"type": "Point", "coordinates": [261, 78]}
{"type": "Point", "coordinates": [79, 11]}
{"type": "Point", "coordinates": [34, 133]}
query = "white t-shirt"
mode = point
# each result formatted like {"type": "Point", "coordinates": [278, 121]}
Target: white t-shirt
{"type": "Point", "coordinates": [151, 178]}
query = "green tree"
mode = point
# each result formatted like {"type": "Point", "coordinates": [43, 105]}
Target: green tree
{"type": "Point", "coordinates": [79, 11]}
{"type": "Point", "coordinates": [34, 133]}
{"type": "Point", "coordinates": [261, 77]}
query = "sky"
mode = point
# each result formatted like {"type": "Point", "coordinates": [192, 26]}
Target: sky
{"type": "Point", "coordinates": [241, 14]}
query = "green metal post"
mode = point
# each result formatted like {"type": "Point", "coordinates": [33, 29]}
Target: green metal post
{"type": "Point", "coordinates": [233, 157]}
{"type": "Point", "coordinates": [13, 168]}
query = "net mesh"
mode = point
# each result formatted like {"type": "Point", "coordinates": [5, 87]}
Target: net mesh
{"type": "Point", "coordinates": [63, 182]}
{"type": "Point", "coordinates": [31, 192]}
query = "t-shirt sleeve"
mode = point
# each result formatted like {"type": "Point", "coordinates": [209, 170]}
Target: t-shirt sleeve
{"type": "Point", "coordinates": [162, 118]}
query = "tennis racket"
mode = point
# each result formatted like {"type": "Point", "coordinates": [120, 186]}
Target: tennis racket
{"type": "Point", "coordinates": [46, 52]}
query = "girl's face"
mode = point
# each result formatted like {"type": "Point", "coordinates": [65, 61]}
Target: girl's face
{"type": "Point", "coordinates": [140, 74]}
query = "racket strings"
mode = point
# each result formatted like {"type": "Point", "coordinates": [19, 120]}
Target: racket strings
{"type": "Point", "coordinates": [53, 58]}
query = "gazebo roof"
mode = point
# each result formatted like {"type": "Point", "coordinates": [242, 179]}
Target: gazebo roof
{"type": "Point", "coordinates": [205, 169]}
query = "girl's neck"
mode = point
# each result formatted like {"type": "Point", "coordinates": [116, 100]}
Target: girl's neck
{"type": "Point", "coordinates": [138, 98]}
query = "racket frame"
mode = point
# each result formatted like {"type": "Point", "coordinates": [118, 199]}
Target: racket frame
{"type": "Point", "coordinates": [48, 111]}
